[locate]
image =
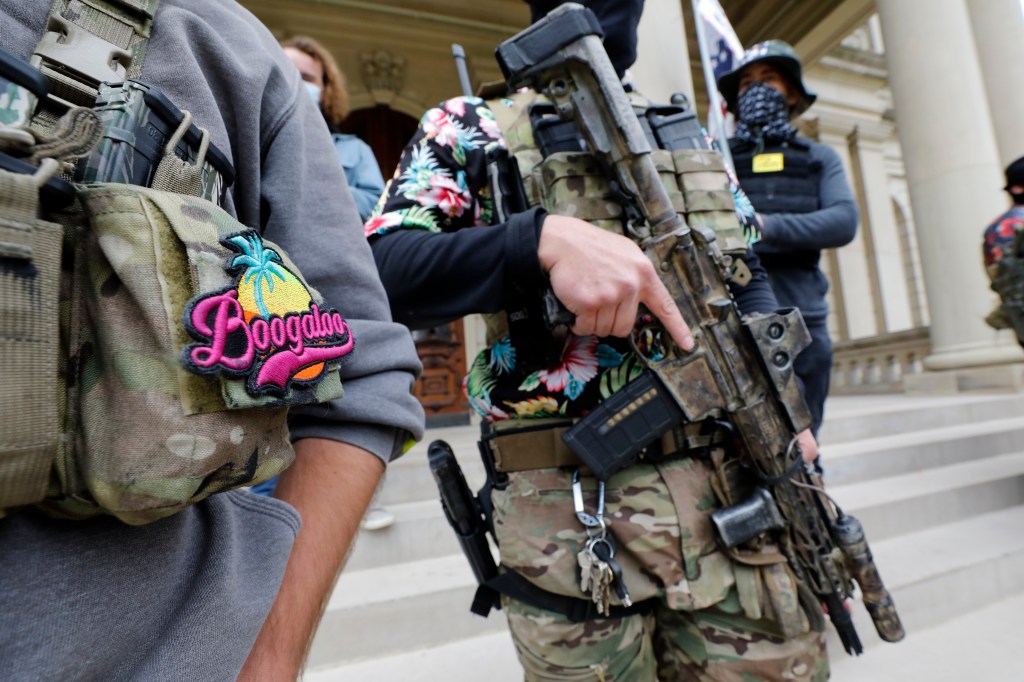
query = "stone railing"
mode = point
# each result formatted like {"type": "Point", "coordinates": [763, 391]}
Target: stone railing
{"type": "Point", "coordinates": [878, 364]}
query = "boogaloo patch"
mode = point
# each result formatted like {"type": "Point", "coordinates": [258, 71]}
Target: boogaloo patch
{"type": "Point", "coordinates": [265, 327]}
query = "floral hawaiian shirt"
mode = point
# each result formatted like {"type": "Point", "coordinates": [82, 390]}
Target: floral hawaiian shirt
{"type": "Point", "coordinates": [441, 185]}
{"type": "Point", "coordinates": [1001, 237]}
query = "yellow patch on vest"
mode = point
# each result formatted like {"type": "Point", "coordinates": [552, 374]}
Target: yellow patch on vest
{"type": "Point", "coordinates": [768, 163]}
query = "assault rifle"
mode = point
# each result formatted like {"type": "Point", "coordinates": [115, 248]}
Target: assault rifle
{"type": "Point", "coordinates": [739, 371]}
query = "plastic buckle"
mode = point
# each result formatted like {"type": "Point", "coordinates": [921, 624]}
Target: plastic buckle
{"type": "Point", "coordinates": [83, 56]}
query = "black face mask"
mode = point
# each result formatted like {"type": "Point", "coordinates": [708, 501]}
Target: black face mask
{"type": "Point", "coordinates": [618, 18]}
{"type": "Point", "coordinates": [763, 113]}
{"type": "Point", "coordinates": [1018, 197]}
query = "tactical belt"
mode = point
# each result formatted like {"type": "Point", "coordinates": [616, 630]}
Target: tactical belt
{"type": "Point", "coordinates": [538, 444]}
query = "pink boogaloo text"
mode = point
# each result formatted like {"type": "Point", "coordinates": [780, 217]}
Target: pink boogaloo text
{"type": "Point", "coordinates": [275, 348]}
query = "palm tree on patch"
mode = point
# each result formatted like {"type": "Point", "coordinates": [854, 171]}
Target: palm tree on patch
{"type": "Point", "coordinates": [261, 266]}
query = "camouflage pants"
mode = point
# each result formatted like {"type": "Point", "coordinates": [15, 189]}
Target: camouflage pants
{"type": "Point", "coordinates": [717, 644]}
{"type": "Point", "coordinates": [713, 620]}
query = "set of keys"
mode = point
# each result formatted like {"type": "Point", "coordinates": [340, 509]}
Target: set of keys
{"type": "Point", "coordinates": [600, 573]}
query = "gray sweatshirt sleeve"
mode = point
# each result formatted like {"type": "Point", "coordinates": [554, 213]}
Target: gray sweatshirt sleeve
{"type": "Point", "coordinates": [218, 62]}
{"type": "Point", "coordinates": [833, 225]}
{"type": "Point", "coordinates": [319, 227]}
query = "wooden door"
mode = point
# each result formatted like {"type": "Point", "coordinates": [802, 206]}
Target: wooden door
{"type": "Point", "coordinates": [443, 353]}
{"type": "Point", "coordinates": [442, 350]}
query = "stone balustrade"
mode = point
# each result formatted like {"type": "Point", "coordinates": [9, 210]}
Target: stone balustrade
{"type": "Point", "coordinates": [879, 364]}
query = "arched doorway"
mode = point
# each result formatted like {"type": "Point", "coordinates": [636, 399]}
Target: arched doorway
{"type": "Point", "coordinates": [442, 349]}
{"type": "Point", "coordinates": [385, 130]}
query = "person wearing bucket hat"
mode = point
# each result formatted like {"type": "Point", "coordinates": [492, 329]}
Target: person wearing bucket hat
{"type": "Point", "coordinates": [1003, 253]}
{"type": "Point", "coordinates": [800, 191]}
{"type": "Point", "coordinates": [687, 609]}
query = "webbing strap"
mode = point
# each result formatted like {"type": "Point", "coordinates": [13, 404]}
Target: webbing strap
{"type": "Point", "coordinates": [88, 42]}
{"type": "Point", "coordinates": [515, 586]}
{"type": "Point", "coordinates": [29, 282]}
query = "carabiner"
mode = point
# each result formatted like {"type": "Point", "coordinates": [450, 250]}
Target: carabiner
{"type": "Point", "coordinates": [588, 520]}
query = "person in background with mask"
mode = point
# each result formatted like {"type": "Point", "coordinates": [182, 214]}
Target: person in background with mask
{"type": "Point", "coordinates": [800, 191]}
{"type": "Point", "coordinates": [326, 85]}
{"type": "Point", "coordinates": [1003, 255]}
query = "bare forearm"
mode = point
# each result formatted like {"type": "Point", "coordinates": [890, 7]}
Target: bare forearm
{"type": "Point", "coordinates": [331, 485]}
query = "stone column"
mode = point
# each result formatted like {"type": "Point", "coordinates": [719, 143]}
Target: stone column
{"type": "Point", "coordinates": [953, 171]}
{"type": "Point", "coordinates": [877, 216]}
{"type": "Point", "coordinates": [999, 34]}
{"type": "Point", "coordinates": [662, 61]}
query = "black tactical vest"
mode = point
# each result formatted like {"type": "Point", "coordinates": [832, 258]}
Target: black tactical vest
{"type": "Point", "coordinates": [791, 189]}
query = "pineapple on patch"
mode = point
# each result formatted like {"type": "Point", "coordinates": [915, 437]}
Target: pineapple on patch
{"type": "Point", "coordinates": [258, 292]}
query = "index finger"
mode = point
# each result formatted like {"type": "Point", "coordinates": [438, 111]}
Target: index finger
{"type": "Point", "coordinates": [657, 299]}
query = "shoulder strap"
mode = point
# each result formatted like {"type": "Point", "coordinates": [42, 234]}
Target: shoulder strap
{"type": "Point", "coordinates": [88, 42]}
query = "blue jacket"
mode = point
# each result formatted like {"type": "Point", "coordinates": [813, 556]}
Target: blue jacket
{"type": "Point", "coordinates": [361, 170]}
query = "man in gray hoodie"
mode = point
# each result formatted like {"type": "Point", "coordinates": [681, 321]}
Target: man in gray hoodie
{"type": "Point", "coordinates": [188, 597]}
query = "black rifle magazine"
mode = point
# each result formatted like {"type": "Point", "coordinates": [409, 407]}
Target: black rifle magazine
{"type": "Point", "coordinates": [614, 434]}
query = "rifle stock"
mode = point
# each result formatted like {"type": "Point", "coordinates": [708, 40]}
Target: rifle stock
{"type": "Point", "coordinates": [740, 370]}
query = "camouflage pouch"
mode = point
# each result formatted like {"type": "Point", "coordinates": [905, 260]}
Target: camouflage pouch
{"type": "Point", "coordinates": [188, 337]}
{"type": "Point", "coordinates": [766, 586]}
{"type": "Point", "coordinates": [574, 184]}
{"type": "Point", "coordinates": [709, 201]}
{"type": "Point", "coordinates": [29, 289]}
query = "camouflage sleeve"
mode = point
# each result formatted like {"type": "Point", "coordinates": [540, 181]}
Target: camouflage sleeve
{"type": "Point", "coordinates": [440, 184]}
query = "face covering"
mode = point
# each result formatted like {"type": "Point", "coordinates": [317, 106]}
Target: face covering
{"type": "Point", "coordinates": [763, 114]}
{"type": "Point", "coordinates": [314, 92]}
{"type": "Point", "coordinates": [1018, 198]}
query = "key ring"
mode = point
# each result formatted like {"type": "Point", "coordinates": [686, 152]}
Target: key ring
{"type": "Point", "coordinates": [588, 520]}
{"type": "Point", "coordinates": [596, 540]}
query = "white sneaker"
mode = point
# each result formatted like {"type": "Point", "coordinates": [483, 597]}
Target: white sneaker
{"type": "Point", "coordinates": [377, 518]}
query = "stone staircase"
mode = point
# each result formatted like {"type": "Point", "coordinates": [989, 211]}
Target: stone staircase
{"type": "Point", "coordinates": [937, 481]}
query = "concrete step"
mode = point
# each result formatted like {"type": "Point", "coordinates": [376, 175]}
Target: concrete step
{"type": "Point", "coordinates": [935, 576]}
{"type": "Point", "coordinates": [853, 418]}
{"type": "Point", "coordinates": [382, 611]}
{"type": "Point", "coordinates": [420, 531]}
{"type": "Point", "coordinates": [915, 502]}
{"type": "Point", "coordinates": [872, 458]}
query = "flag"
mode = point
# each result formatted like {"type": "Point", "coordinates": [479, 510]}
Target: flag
{"type": "Point", "coordinates": [724, 48]}
{"type": "Point", "coordinates": [721, 51]}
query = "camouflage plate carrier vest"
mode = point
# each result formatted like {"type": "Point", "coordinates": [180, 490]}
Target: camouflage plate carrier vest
{"type": "Point", "coordinates": [151, 344]}
{"type": "Point", "coordinates": [574, 184]}
{"type": "Point", "coordinates": [1007, 279]}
